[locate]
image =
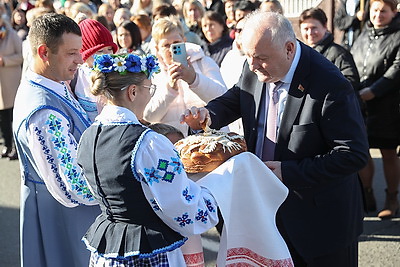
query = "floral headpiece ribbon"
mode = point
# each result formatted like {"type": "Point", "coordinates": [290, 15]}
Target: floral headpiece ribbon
{"type": "Point", "coordinates": [124, 63]}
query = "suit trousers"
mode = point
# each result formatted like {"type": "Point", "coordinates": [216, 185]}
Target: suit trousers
{"type": "Point", "coordinates": [344, 257]}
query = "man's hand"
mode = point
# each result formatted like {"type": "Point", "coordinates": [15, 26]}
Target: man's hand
{"type": "Point", "coordinates": [366, 94]}
{"type": "Point", "coordinates": [361, 15]}
{"type": "Point", "coordinates": [196, 118]}
{"type": "Point", "coordinates": [275, 167]}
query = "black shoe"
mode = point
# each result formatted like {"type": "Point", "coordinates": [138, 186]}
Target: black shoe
{"type": "Point", "coordinates": [5, 152]}
{"type": "Point", "coordinates": [13, 155]}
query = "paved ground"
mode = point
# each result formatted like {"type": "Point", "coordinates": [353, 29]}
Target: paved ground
{"type": "Point", "coordinates": [379, 244]}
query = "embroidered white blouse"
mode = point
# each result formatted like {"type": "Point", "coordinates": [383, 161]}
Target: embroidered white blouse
{"type": "Point", "coordinates": [182, 204]}
{"type": "Point", "coordinates": [54, 149]}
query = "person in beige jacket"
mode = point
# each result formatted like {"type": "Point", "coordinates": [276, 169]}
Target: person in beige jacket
{"type": "Point", "coordinates": [10, 76]}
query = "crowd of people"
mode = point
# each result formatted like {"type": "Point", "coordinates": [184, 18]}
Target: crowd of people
{"type": "Point", "coordinates": [79, 80]}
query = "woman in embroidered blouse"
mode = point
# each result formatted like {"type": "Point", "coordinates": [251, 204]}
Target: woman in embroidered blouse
{"type": "Point", "coordinates": [148, 203]}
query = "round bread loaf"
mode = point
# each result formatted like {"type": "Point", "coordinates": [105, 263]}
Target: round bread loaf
{"type": "Point", "coordinates": [206, 151]}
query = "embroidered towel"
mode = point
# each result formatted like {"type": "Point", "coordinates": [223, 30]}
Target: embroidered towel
{"type": "Point", "coordinates": [192, 252]}
{"type": "Point", "coordinates": [248, 195]}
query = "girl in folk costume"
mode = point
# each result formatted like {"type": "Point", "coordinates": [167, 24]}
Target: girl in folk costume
{"type": "Point", "coordinates": [148, 203]}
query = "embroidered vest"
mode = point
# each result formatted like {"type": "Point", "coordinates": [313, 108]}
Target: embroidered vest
{"type": "Point", "coordinates": [32, 97]}
{"type": "Point", "coordinates": [128, 225]}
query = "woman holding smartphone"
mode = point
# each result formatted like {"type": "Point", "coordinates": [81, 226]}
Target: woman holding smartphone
{"type": "Point", "coordinates": [181, 86]}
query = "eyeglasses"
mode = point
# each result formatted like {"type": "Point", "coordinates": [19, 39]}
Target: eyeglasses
{"type": "Point", "coordinates": [152, 88]}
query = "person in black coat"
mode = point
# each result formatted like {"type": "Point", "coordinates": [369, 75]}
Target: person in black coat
{"type": "Point", "coordinates": [377, 56]}
{"type": "Point", "coordinates": [313, 28]}
{"type": "Point", "coordinates": [321, 140]}
{"type": "Point", "coordinates": [350, 18]}
{"type": "Point", "coordinates": [216, 34]}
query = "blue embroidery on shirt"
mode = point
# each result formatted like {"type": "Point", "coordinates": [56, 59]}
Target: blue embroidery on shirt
{"type": "Point", "coordinates": [151, 175]}
{"type": "Point", "coordinates": [155, 175]}
{"type": "Point", "coordinates": [73, 177]}
{"type": "Point", "coordinates": [184, 220]}
{"type": "Point", "coordinates": [202, 216]}
{"type": "Point", "coordinates": [209, 205]}
{"type": "Point", "coordinates": [154, 205]}
{"type": "Point", "coordinates": [187, 196]}
{"type": "Point", "coordinates": [176, 164]}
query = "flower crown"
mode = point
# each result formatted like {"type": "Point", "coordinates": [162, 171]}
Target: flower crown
{"type": "Point", "coordinates": [125, 63]}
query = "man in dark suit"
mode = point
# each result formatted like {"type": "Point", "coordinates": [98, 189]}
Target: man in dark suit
{"type": "Point", "coordinates": [320, 140]}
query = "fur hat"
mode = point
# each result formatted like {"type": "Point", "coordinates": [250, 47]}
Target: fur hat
{"type": "Point", "coordinates": [95, 36]}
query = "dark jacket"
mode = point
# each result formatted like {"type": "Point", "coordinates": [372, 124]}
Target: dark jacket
{"type": "Point", "coordinates": [341, 58]}
{"type": "Point", "coordinates": [376, 53]}
{"type": "Point", "coordinates": [218, 49]}
{"type": "Point", "coordinates": [217, 6]}
{"type": "Point", "coordinates": [322, 145]}
{"type": "Point", "coordinates": [345, 22]}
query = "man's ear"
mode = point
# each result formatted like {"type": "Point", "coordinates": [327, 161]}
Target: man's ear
{"type": "Point", "coordinates": [290, 49]}
{"type": "Point", "coordinates": [43, 52]}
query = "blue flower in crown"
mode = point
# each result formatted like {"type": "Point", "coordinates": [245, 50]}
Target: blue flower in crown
{"type": "Point", "coordinates": [124, 63]}
{"type": "Point", "coordinates": [152, 65]}
{"type": "Point", "coordinates": [133, 63]}
{"type": "Point", "coordinates": [103, 63]}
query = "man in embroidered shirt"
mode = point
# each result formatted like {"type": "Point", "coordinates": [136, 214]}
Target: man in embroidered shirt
{"type": "Point", "coordinates": [57, 206]}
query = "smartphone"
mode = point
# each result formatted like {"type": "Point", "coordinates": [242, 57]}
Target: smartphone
{"type": "Point", "coordinates": [178, 51]}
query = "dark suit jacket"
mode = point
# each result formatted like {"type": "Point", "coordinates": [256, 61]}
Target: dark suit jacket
{"type": "Point", "coordinates": [322, 144]}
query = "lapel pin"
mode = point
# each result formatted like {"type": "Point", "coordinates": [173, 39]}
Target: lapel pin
{"type": "Point", "coordinates": [301, 88]}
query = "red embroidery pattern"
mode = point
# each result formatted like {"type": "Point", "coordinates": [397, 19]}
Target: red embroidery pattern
{"type": "Point", "coordinates": [194, 260]}
{"type": "Point", "coordinates": [244, 257]}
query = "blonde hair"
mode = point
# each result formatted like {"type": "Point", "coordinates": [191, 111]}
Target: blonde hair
{"type": "Point", "coordinates": [102, 11]}
{"type": "Point", "coordinates": [164, 26]}
{"type": "Point", "coordinates": [185, 12]}
{"type": "Point", "coordinates": [80, 8]}
{"type": "Point", "coordinates": [110, 84]}
{"type": "Point", "coordinates": [137, 8]}
{"type": "Point", "coordinates": [45, 3]}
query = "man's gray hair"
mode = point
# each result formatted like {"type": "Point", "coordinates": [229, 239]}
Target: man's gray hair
{"type": "Point", "coordinates": [279, 26]}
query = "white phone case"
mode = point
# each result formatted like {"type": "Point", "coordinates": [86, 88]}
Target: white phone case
{"type": "Point", "coordinates": [178, 51]}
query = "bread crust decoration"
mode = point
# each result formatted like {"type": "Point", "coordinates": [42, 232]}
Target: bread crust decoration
{"type": "Point", "coordinates": [206, 151]}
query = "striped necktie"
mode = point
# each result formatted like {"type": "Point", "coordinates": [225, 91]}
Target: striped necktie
{"type": "Point", "coordinates": [272, 118]}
